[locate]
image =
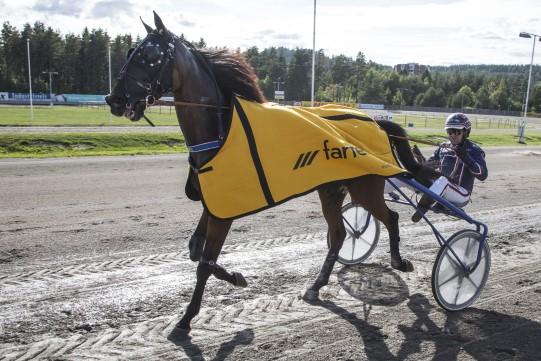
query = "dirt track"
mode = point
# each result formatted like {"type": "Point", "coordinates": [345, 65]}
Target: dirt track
{"type": "Point", "coordinates": [93, 264]}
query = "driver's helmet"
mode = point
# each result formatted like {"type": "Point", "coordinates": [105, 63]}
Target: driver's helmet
{"type": "Point", "coordinates": [458, 121]}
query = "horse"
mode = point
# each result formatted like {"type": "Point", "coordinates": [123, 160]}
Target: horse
{"type": "Point", "coordinates": [203, 83]}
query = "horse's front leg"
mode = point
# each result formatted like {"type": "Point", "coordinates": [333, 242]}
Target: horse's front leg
{"type": "Point", "coordinates": [216, 233]}
{"type": "Point", "coordinates": [197, 240]}
{"type": "Point", "coordinates": [331, 198]}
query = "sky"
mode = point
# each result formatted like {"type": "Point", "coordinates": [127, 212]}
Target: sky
{"type": "Point", "coordinates": [432, 32]}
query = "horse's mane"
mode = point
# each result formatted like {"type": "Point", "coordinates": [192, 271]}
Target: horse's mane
{"type": "Point", "coordinates": [233, 74]}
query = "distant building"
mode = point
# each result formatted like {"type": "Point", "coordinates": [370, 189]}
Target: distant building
{"type": "Point", "coordinates": [411, 68]}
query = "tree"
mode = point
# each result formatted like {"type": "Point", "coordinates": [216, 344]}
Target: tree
{"type": "Point", "coordinates": [463, 98]}
{"type": "Point", "coordinates": [201, 44]}
{"type": "Point", "coordinates": [359, 69]}
{"type": "Point", "coordinates": [372, 88]}
{"type": "Point", "coordinates": [69, 64]}
{"type": "Point", "coordinates": [14, 47]}
{"type": "Point", "coordinates": [298, 83]}
{"type": "Point", "coordinates": [482, 98]}
{"type": "Point", "coordinates": [499, 98]}
{"type": "Point", "coordinates": [341, 69]}
{"type": "Point", "coordinates": [398, 99]}
{"type": "Point", "coordinates": [433, 98]}
{"type": "Point", "coordinates": [535, 100]}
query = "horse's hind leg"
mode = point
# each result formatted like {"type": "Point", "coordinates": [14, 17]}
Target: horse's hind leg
{"type": "Point", "coordinates": [367, 191]}
{"type": "Point", "coordinates": [216, 233]}
{"type": "Point", "coordinates": [331, 197]}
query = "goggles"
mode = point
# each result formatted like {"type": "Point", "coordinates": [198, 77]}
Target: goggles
{"type": "Point", "coordinates": [455, 131]}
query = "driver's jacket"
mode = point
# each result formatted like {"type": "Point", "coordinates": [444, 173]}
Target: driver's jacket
{"type": "Point", "coordinates": [462, 171]}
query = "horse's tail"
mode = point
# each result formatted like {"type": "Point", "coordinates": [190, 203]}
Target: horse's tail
{"type": "Point", "coordinates": [398, 138]}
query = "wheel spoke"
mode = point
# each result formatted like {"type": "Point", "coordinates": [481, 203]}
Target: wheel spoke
{"type": "Point", "coordinates": [350, 232]}
{"type": "Point", "coordinates": [449, 280]}
{"type": "Point", "coordinates": [468, 248]}
{"type": "Point", "coordinates": [352, 229]}
{"type": "Point", "coordinates": [352, 248]}
{"type": "Point", "coordinates": [365, 241]}
{"type": "Point", "coordinates": [458, 289]}
{"type": "Point", "coordinates": [473, 283]}
{"type": "Point", "coordinates": [453, 262]}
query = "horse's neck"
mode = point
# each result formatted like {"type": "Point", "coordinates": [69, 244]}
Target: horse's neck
{"type": "Point", "coordinates": [199, 124]}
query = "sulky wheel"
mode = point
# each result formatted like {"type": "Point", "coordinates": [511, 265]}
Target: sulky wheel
{"type": "Point", "coordinates": [453, 288]}
{"type": "Point", "coordinates": [362, 234]}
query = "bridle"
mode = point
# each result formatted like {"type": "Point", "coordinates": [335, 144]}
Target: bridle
{"type": "Point", "coordinates": [157, 85]}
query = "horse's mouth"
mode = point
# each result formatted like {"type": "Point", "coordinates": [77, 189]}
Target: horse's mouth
{"type": "Point", "coordinates": [135, 112]}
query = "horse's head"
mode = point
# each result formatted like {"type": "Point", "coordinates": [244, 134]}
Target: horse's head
{"type": "Point", "coordinates": [146, 75]}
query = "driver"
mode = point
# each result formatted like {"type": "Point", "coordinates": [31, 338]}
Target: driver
{"type": "Point", "coordinates": [460, 161]}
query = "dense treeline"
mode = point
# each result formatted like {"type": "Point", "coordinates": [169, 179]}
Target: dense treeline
{"type": "Point", "coordinates": [82, 65]}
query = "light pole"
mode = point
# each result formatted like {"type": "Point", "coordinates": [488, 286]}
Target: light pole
{"type": "Point", "coordinates": [51, 73]}
{"type": "Point", "coordinates": [522, 126]}
{"type": "Point", "coordinates": [30, 80]}
{"type": "Point", "coordinates": [313, 57]}
{"type": "Point", "coordinates": [278, 95]}
{"type": "Point", "coordinates": [277, 83]}
{"type": "Point", "coordinates": [110, 88]}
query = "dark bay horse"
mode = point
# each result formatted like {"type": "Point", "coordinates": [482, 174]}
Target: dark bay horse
{"type": "Point", "coordinates": [203, 83]}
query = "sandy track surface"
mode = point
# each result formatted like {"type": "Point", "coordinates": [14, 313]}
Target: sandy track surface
{"type": "Point", "coordinates": [93, 265]}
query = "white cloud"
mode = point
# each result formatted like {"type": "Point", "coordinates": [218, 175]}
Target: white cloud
{"type": "Point", "coordinates": [58, 7]}
{"type": "Point", "coordinates": [111, 9]}
{"type": "Point", "coordinates": [427, 31]}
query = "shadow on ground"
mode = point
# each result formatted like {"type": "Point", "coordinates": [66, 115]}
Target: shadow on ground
{"type": "Point", "coordinates": [184, 340]}
{"type": "Point", "coordinates": [482, 334]}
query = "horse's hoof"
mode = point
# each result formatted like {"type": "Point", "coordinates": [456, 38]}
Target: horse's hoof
{"type": "Point", "coordinates": [178, 334]}
{"type": "Point", "coordinates": [311, 296]}
{"type": "Point", "coordinates": [240, 281]}
{"type": "Point", "coordinates": [182, 327]}
{"type": "Point", "coordinates": [403, 266]}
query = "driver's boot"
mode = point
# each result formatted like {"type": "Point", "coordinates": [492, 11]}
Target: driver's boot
{"type": "Point", "coordinates": [424, 205]}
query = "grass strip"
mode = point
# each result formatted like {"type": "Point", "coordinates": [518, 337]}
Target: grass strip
{"type": "Point", "coordinates": [80, 116]}
{"type": "Point", "coordinates": [486, 138]}
{"type": "Point", "coordinates": [42, 145]}
{"type": "Point", "coordinates": [17, 145]}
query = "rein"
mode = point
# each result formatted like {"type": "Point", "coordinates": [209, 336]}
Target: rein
{"type": "Point", "coordinates": [415, 140]}
{"type": "Point", "coordinates": [191, 104]}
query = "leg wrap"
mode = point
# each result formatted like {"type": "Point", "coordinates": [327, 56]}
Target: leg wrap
{"type": "Point", "coordinates": [204, 270]}
{"type": "Point", "coordinates": [221, 273]}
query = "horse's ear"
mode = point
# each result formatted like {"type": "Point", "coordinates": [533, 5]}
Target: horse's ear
{"type": "Point", "coordinates": [147, 27]}
{"type": "Point", "coordinates": [159, 24]}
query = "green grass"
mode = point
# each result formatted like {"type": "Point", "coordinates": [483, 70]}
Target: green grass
{"type": "Point", "coordinates": [99, 115]}
{"type": "Point", "coordinates": [41, 145]}
{"type": "Point", "coordinates": [16, 145]}
{"type": "Point", "coordinates": [478, 122]}
{"type": "Point", "coordinates": [483, 137]}
{"type": "Point", "coordinates": [79, 116]}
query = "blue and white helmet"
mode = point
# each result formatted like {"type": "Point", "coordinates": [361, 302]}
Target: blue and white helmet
{"type": "Point", "coordinates": [458, 121]}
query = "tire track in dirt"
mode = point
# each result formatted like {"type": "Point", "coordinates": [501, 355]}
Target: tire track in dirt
{"type": "Point", "coordinates": [52, 275]}
{"type": "Point", "coordinates": [267, 315]}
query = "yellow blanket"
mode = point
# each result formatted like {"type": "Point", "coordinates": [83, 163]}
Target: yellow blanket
{"type": "Point", "coordinates": [273, 153]}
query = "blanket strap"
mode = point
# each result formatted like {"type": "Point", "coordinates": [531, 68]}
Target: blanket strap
{"type": "Point", "coordinates": [205, 146]}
